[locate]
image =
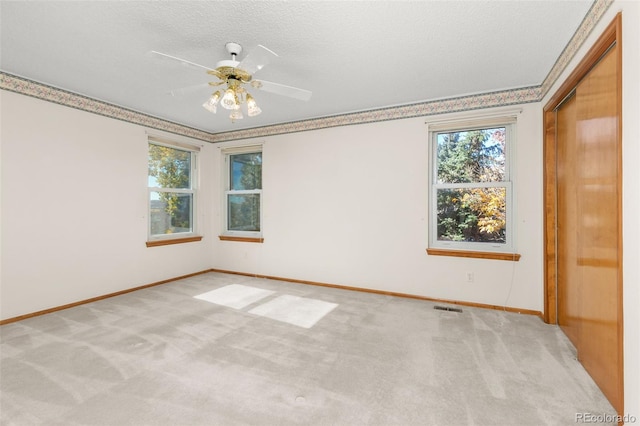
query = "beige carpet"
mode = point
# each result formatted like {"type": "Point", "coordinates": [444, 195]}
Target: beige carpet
{"type": "Point", "coordinates": [161, 356]}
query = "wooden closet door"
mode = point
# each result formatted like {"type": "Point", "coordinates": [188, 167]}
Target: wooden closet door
{"type": "Point", "coordinates": [583, 211]}
{"type": "Point", "coordinates": [599, 215]}
{"type": "Point", "coordinates": [589, 225]}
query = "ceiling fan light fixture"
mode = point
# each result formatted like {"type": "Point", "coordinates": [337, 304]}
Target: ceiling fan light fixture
{"type": "Point", "coordinates": [233, 75]}
{"type": "Point", "coordinates": [236, 114]}
{"type": "Point", "coordinates": [230, 100]}
{"type": "Point", "coordinates": [252, 107]}
{"type": "Point", "coordinates": [210, 104]}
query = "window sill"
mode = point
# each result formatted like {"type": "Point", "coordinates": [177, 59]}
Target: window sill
{"type": "Point", "coordinates": [241, 239]}
{"type": "Point", "coordinates": [514, 257]}
{"type": "Point", "coordinates": [169, 241]}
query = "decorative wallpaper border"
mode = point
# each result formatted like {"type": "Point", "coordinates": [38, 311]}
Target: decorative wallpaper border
{"type": "Point", "coordinates": [593, 16]}
{"type": "Point", "coordinates": [52, 94]}
{"type": "Point", "coordinates": [464, 103]}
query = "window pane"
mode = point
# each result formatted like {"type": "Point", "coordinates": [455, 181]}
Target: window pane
{"type": "Point", "coordinates": [244, 212]}
{"type": "Point", "coordinates": [471, 156]}
{"type": "Point", "coordinates": [171, 213]}
{"type": "Point", "coordinates": [246, 171]}
{"type": "Point", "coordinates": [472, 215]}
{"type": "Point", "coordinates": [169, 167]}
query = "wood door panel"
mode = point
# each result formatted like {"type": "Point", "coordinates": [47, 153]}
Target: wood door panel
{"type": "Point", "coordinates": [598, 226]}
{"type": "Point", "coordinates": [583, 211]}
{"type": "Point", "coordinates": [567, 220]}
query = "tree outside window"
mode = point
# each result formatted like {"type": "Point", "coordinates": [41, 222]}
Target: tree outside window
{"type": "Point", "coordinates": [244, 192]}
{"type": "Point", "coordinates": [471, 187]}
{"type": "Point", "coordinates": [170, 190]}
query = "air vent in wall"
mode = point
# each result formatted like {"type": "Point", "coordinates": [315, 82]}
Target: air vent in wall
{"type": "Point", "coordinates": [446, 308]}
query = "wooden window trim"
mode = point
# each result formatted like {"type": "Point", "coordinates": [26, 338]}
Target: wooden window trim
{"type": "Point", "coordinates": [514, 257]}
{"type": "Point", "coordinates": [169, 241]}
{"type": "Point", "coordinates": [241, 239]}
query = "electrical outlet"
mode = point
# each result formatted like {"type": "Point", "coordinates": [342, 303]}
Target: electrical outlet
{"type": "Point", "coordinates": [469, 277]}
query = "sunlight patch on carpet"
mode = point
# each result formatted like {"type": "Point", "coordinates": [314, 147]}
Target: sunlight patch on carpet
{"type": "Point", "coordinates": [294, 310]}
{"type": "Point", "coordinates": [235, 295]}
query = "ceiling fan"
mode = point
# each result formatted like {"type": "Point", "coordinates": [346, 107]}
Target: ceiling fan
{"type": "Point", "coordinates": [235, 77]}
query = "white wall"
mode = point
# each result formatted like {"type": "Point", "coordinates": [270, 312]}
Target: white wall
{"type": "Point", "coordinates": [344, 205]}
{"type": "Point", "coordinates": [74, 208]}
{"type": "Point", "coordinates": [630, 184]}
{"type": "Point", "coordinates": [349, 206]}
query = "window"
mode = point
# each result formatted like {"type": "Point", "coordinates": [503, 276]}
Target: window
{"type": "Point", "coordinates": [471, 188]}
{"type": "Point", "coordinates": [172, 195]}
{"type": "Point", "coordinates": [243, 193]}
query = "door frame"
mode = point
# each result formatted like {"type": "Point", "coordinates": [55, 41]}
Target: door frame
{"type": "Point", "coordinates": [612, 34]}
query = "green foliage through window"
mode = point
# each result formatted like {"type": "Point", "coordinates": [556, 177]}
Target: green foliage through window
{"type": "Point", "coordinates": [171, 201]}
{"type": "Point", "coordinates": [470, 185]}
{"type": "Point", "coordinates": [245, 191]}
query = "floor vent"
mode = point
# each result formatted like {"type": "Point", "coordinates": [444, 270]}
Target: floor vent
{"type": "Point", "coordinates": [446, 308]}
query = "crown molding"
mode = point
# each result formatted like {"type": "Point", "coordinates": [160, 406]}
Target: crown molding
{"type": "Point", "coordinates": [524, 95]}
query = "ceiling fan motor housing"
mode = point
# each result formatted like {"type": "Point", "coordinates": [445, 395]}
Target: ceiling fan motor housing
{"type": "Point", "coordinates": [228, 69]}
{"type": "Point", "coordinates": [234, 49]}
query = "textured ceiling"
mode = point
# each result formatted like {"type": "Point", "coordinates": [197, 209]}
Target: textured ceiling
{"type": "Point", "coordinates": [353, 55]}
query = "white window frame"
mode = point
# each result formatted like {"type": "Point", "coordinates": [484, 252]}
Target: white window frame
{"type": "Point", "coordinates": [193, 190]}
{"type": "Point", "coordinates": [226, 154]}
{"type": "Point", "coordinates": [509, 123]}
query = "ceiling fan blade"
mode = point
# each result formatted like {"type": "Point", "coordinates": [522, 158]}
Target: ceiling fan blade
{"type": "Point", "coordinates": [256, 59]}
{"type": "Point", "coordinates": [188, 89]}
{"type": "Point", "coordinates": [182, 61]}
{"type": "Point", "coordinates": [195, 88]}
{"type": "Point", "coordinates": [281, 89]}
